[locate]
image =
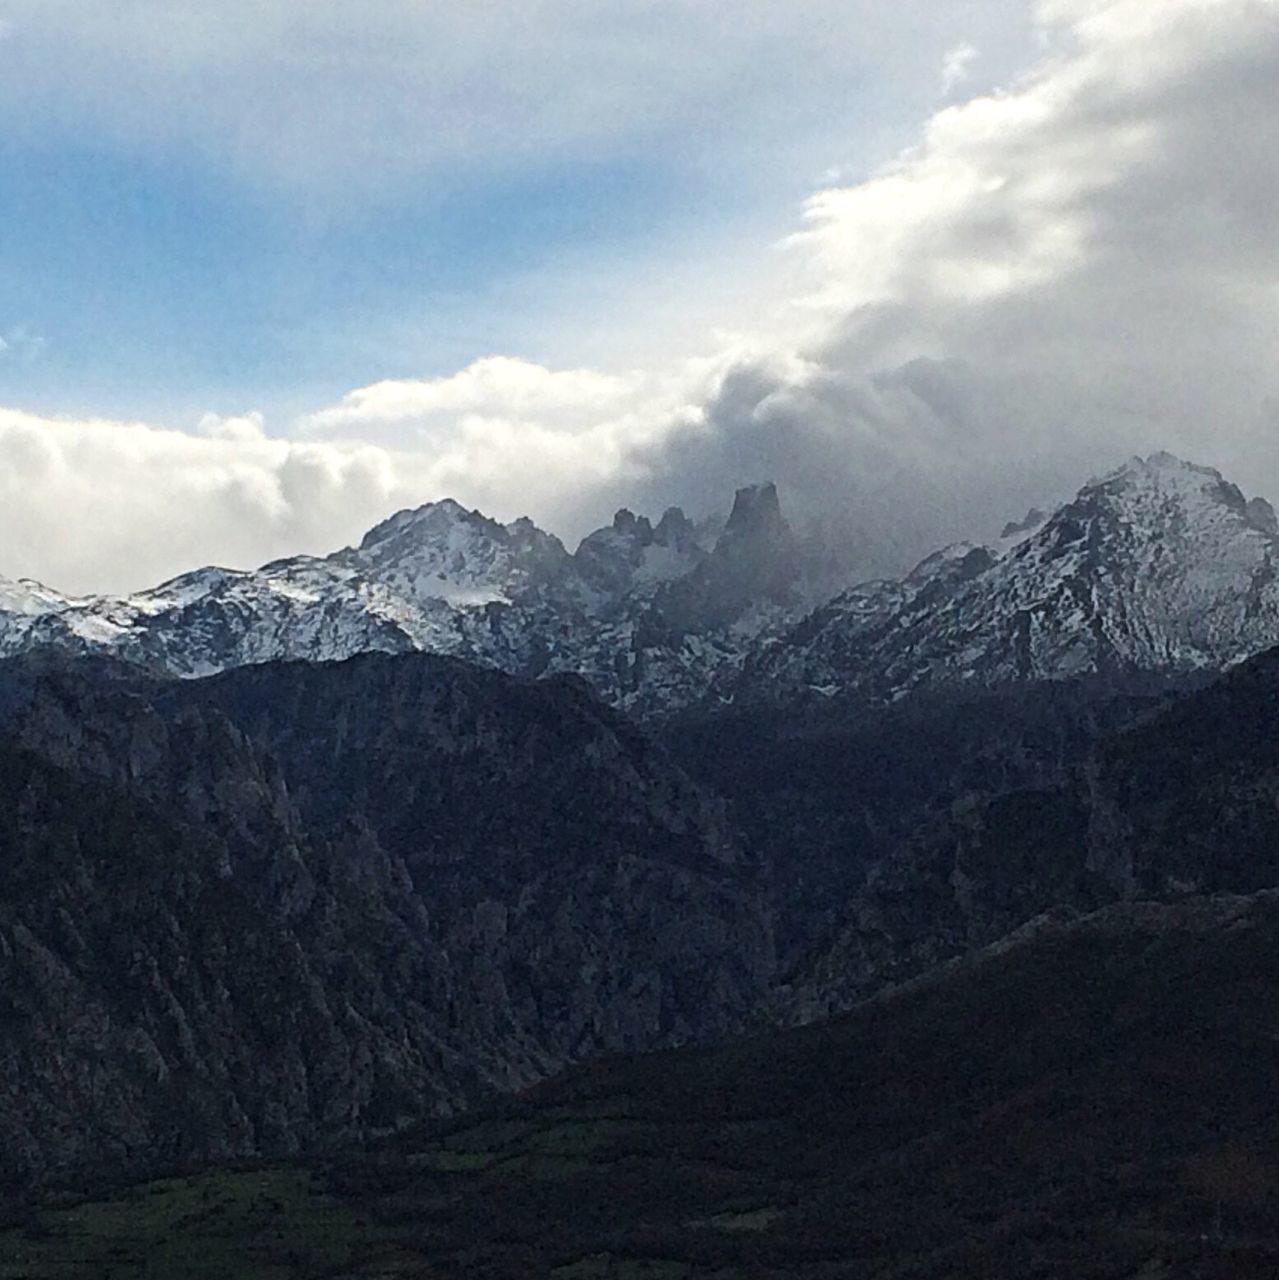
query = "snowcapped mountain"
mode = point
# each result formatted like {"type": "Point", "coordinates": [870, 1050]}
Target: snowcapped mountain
{"type": "Point", "coordinates": [1160, 565]}
{"type": "Point", "coordinates": [650, 613]}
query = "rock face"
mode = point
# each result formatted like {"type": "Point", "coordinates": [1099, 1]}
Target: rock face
{"type": "Point", "coordinates": [1184, 801]}
{"type": "Point", "coordinates": [303, 903]}
{"type": "Point", "coordinates": [1159, 566]}
{"type": "Point", "coordinates": [826, 790]}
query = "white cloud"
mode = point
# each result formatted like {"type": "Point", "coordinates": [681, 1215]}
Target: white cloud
{"type": "Point", "coordinates": [106, 505]}
{"type": "Point", "coordinates": [957, 66]}
{"type": "Point", "coordinates": [493, 387]}
{"type": "Point", "coordinates": [243, 428]}
{"type": "Point", "coordinates": [103, 505]}
{"type": "Point", "coordinates": [1082, 266]}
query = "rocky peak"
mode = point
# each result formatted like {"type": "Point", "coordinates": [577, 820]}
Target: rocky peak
{"type": "Point", "coordinates": [627, 523]}
{"type": "Point", "coordinates": [755, 563]}
{"type": "Point", "coordinates": [1027, 524]}
{"type": "Point", "coordinates": [1262, 515]}
{"type": "Point", "coordinates": [28, 597]}
{"type": "Point", "coordinates": [1161, 565]}
{"type": "Point", "coordinates": [675, 529]}
{"type": "Point", "coordinates": [539, 548]}
{"type": "Point", "coordinates": [441, 551]}
{"type": "Point", "coordinates": [756, 516]}
{"type": "Point", "coordinates": [1168, 478]}
{"type": "Point", "coordinates": [757, 546]}
{"type": "Point", "coordinates": [631, 556]}
{"type": "Point", "coordinates": [1189, 517]}
{"type": "Point", "coordinates": [431, 519]}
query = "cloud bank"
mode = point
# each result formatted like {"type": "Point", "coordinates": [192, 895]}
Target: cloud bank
{"type": "Point", "coordinates": [1081, 266]}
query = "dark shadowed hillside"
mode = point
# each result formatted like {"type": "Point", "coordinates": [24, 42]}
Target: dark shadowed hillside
{"type": "Point", "coordinates": [1086, 1102]}
{"type": "Point", "coordinates": [220, 937]}
{"type": "Point", "coordinates": [827, 789]}
{"type": "Point", "coordinates": [1182, 801]}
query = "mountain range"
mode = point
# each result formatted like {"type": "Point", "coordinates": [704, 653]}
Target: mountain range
{"type": "Point", "coordinates": [1161, 565]}
{"type": "Point", "coordinates": [295, 859]}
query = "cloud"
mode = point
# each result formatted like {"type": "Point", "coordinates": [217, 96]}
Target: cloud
{"type": "Point", "coordinates": [305, 96]}
{"type": "Point", "coordinates": [105, 505]}
{"type": "Point", "coordinates": [246, 428]}
{"type": "Point", "coordinates": [1081, 266]}
{"type": "Point", "coordinates": [100, 505]}
{"type": "Point", "coordinates": [496, 387]}
{"type": "Point", "coordinates": [957, 66]}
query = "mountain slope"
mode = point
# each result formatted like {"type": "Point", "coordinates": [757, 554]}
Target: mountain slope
{"type": "Point", "coordinates": [1085, 1102]}
{"type": "Point", "coordinates": [309, 902]}
{"type": "Point", "coordinates": [1159, 566]}
{"type": "Point", "coordinates": [1182, 801]}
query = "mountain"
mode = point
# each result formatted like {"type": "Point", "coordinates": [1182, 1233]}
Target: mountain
{"type": "Point", "coordinates": [825, 790]}
{"type": "Point", "coordinates": [298, 904]}
{"type": "Point", "coordinates": [1160, 565]}
{"type": "Point", "coordinates": [1086, 1101]}
{"type": "Point", "coordinates": [1182, 800]}
{"type": "Point", "coordinates": [653, 615]}
{"type": "Point", "coordinates": [303, 903]}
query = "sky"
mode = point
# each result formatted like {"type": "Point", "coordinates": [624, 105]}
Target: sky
{"type": "Point", "coordinates": [271, 270]}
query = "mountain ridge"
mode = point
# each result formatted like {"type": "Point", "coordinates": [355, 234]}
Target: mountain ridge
{"type": "Point", "coordinates": [1158, 565]}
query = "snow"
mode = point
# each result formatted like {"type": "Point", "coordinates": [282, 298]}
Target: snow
{"type": "Point", "coordinates": [29, 598]}
{"type": "Point", "coordinates": [663, 564]}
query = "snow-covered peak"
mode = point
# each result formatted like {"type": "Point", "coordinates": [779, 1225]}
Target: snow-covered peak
{"type": "Point", "coordinates": [443, 552]}
{"type": "Point", "coordinates": [188, 588]}
{"type": "Point", "coordinates": [633, 556]}
{"type": "Point", "coordinates": [1161, 564]}
{"type": "Point", "coordinates": [30, 598]}
{"type": "Point", "coordinates": [426, 523]}
{"type": "Point", "coordinates": [1164, 487]}
{"type": "Point", "coordinates": [1181, 521]}
{"type": "Point", "coordinates": [1170, 478]}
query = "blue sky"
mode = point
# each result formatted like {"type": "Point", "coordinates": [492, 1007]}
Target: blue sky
{"type": "Point", "coordinates": [199, 218]}
{"type": "Point", "coordinates": [159, 289]}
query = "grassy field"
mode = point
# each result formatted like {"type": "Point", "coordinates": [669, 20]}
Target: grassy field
{"type": "Point", "coordinates": [1086, 1108]}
